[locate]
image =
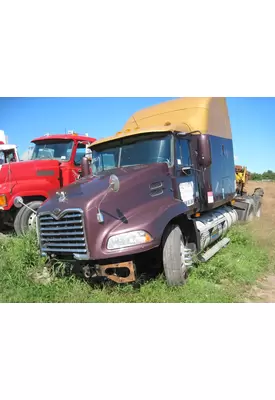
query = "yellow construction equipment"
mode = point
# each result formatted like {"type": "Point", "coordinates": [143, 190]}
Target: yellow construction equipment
{"type": "Point", "coordinates": [242, 176]}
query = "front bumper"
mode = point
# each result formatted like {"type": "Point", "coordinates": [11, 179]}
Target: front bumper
{"type": "Point", "coordinates": [113, 272]}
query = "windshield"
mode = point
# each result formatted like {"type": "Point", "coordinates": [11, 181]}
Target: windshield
{"type": "Point", "coordinates": [132, 151]}
{"type": "Point", "coordinates": [60, 150]}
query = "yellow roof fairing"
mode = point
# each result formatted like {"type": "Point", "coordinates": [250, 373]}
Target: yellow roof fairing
{"type": "Point", "coordinates": [209, 115]}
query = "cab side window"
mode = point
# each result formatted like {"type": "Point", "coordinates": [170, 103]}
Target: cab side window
{"type": "Point", "coordinates": [183, 153]}
{"type": "Point", "coordinates": [80, 153]}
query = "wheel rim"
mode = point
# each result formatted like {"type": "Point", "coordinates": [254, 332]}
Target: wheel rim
{"type": "Point", "coordinates": [182, 257]}
{"type": "Point", "coordinates": [32, 221]}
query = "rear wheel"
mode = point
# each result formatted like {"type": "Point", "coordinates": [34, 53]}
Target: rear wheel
{"type": "Point", "coordinates": [174, 265]}
{"type": "Point", "coordinates": [25, 219]}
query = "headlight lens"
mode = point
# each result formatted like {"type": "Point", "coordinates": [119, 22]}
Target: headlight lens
{"type": "Point", "coordinates": [128, 239]}
{"type": "Point", "coordinates": [3, 200]}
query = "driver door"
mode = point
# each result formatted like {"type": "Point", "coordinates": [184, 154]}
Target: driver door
{"type": "Point", "coordinates": [185, 174]}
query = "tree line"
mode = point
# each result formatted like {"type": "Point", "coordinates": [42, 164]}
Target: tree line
{"type": "Point", "coordinates": [270, 175]}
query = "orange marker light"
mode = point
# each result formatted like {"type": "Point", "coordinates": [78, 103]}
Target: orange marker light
{"type": "Point", "coordinates": [147, 237]}
{"type": "Point", "coordinates": [3, 200]}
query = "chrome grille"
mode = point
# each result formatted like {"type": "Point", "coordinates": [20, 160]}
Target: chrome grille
{"type": "Point", "coordinates": [63, 234]}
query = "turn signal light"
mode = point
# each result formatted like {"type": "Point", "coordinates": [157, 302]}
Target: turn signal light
{"type": "Point", "coordinates": [3, 200]}
{"type": "Point", "coordinates": [147, 238]}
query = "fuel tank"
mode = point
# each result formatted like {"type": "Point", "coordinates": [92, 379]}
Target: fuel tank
{"type": "Point", "coordinates": [212, 225]}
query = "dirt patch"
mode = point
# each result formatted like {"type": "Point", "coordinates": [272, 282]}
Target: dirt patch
{"type": "Point", "coordinates": [264, 291]}
{"type": "Point", "coordinates": [263, 229]}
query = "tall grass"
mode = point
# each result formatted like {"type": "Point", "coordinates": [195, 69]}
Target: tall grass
{"type": "Point", "coordinates": [224, 278]}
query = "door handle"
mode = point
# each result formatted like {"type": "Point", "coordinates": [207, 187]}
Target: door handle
{"type": "Point", "coordinates": [186, 170]}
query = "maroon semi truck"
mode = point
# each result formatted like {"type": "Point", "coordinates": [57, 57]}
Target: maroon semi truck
{"type": "Point", "coordinates": [55, 162]}
{"type": "Point", "coordinates": [162, 190]}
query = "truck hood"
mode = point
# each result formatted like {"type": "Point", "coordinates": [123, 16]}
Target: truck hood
{"type": "Point", "coordinates": [24, 170]}
{"type": "Point", "coordinates": [87, 193]}
{"type": "Point", "coordinates": [146, 194]}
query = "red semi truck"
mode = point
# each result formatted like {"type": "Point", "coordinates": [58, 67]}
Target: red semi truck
{"type": "Point", "coordinates": [55, 162]}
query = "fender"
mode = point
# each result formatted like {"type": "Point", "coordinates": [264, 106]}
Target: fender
{"type": "Point", "coordinates": [42, 188]}
{"type": "Point", "coordinates": [23, 194]}
{"type": "Point", "coordinates": [30, 179]}
{"type": "Point", "coordinates": [153, 220]}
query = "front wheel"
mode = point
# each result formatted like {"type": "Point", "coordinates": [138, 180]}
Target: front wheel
{"type": "Point", "coordinates": [174, 265]}
{"type": "Point", "coordinates": [25, 219]}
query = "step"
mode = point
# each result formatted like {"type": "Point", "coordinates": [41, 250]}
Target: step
{"type": "Point", "coordinates": [214, 250]}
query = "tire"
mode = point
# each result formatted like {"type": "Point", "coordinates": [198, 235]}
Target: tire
{"type": "Point", "coordinates": [173, 258]}
{"type": "Point", "coordinates": [1, 224]}
{"type": "Point", "coordinates": [25, 218]}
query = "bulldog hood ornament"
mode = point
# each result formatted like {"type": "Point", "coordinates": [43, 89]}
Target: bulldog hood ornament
{"type": "Point", "coordinates": [62, 197]}
{"type": "Point", "coordinates": [56, 211]}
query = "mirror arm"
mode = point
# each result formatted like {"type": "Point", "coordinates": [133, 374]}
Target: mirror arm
{"type": "Point", "coordinates": [113, 186]}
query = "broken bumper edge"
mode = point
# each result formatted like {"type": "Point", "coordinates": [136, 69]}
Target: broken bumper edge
{"type": "Point", "coordinates": [123, 272]}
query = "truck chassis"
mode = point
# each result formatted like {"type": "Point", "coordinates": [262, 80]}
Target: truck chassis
{"type": "Point", "coordinates": [207, 239]}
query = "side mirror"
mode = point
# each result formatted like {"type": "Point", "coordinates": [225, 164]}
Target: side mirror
{"type": "Point", "coordinates": [204, 151]}
{"type": "Point", "coordinates": [85, 167]}
{"type": "Point", "coordinates": [114, 183]}
{"type": "Point", "coordinates": [18, 202]}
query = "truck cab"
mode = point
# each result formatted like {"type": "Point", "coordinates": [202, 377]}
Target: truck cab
{"type": "Point", "coordinates": [164, 186]}
{"type": "Point", "coordinates": [162, 190]}
{"type": "Point", "coordinates": [66, 150]}
{"type": "Point", "coordinates": [55, 162]}
{"type": "Point", "coordinates": [8, 152]}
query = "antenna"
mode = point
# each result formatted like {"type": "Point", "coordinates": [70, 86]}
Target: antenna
{"type": "Point", "coordinates": [135, 121]}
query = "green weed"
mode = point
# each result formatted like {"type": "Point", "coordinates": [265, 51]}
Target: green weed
{"type": "Point", "coordinates": [222, 280]}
